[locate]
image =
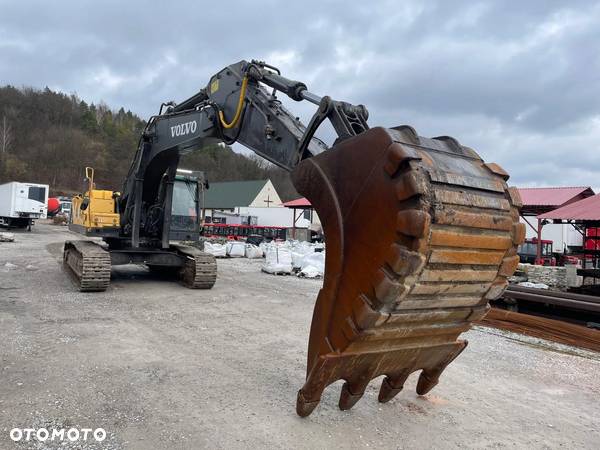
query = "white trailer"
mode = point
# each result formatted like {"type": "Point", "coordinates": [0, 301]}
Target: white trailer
{"type": "Point", "coordinates": [22, 203]}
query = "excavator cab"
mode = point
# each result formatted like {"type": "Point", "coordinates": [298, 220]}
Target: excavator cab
{"type": "Point", "coordinates": [186, 208]}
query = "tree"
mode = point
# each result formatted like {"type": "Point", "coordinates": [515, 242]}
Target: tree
{"type": "Point", "coordinates": [5, 135]}
{"type": "Point", "coordinates": [57, 135]}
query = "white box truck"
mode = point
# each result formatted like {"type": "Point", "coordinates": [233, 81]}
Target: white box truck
{"type": "Point", "coordinates": [22, 203]}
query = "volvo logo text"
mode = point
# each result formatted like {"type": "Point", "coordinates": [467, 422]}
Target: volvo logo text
{"type": "Point", "coordinates": [184, 128]}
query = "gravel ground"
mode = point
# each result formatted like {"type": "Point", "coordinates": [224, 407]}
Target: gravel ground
{"type": "Point", "coordinates": [159, 366]}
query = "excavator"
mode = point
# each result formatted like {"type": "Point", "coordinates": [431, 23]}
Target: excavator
{"type": "Point", "coordinates": [421, 233]}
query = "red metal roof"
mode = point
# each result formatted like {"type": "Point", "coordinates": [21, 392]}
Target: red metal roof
{"type": "Point", "coordinates": [546, 196]}
{"type": "Point", "coordinates": [586, 209]}
{"type": "Point", "coordinates": [552, 196]}
{"type": "Point", "coordinates": [298, 203]}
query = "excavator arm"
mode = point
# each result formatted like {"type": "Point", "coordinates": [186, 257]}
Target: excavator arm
{"type": "Point", "coordinates": [235, 106]}
{"type": "Point", "coordinates": [420, 232]}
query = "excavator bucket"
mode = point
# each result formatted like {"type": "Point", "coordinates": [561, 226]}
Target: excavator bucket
{"type": "Point", "coordinates": [420, 235]}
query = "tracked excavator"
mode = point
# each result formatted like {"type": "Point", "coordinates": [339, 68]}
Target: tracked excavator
{"type": "Point", "coordinates": [421, 233]}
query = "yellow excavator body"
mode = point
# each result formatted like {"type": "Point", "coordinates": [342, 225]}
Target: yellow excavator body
{"type": "Point", "coordinates": [94, 209]}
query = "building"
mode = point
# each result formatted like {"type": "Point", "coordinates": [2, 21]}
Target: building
{"type": "Point", "coordinates": [538, 201]}
{"type": "Point", "coordinates": [253, 202]}
{"type": "Point", "coordinates": [305, 219]}
{"type": "Point", "coordinates": [584, 217]}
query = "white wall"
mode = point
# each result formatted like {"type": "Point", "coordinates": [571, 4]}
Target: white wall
{"type": "Point", "coordinates": [268, 217]}
{"type": "Point", "coordinates": [273, 217]}
{"type": "Point", "coordinates": [559, 234]}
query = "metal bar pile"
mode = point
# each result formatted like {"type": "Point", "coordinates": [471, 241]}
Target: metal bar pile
{"type": "Point", "coordinates": [541, 327]}
{"type": "Point", "coordinates": [568, 300]}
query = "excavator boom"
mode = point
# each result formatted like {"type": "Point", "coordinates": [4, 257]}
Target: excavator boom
{"type": "Point", "coordinates": [420, 233]}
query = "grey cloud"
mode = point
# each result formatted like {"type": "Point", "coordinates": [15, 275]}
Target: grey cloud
{"type": "Point", "coordinates": [518, 81]}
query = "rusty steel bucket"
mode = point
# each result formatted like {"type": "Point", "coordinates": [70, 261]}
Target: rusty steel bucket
{"type": "Point", "coordinates": [420, 235]}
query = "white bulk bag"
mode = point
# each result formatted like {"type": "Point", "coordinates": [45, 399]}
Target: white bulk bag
{"type": "Point", "coordinates": [252, 251]}
{"type": "Point", "coordinates": [278, 260]}
{"type": "Point", "coordinates": [217, 250]}
{"type": "Point", "coordinates": [236, 249]}
{"type": "Point", "coordinates": [313, 265]}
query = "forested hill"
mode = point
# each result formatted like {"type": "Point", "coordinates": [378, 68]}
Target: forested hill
{"type": "Point", "coordinates": [50, 137]}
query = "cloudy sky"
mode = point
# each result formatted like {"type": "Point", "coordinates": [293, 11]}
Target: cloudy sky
{"type": "Point", "coordinates": [519, 81]}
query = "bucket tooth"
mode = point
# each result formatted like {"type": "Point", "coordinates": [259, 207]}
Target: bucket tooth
{"type": "Point", "coordinates": [387, 392]}
{"type": "Point", "coordinates": [392, 386]}
{"type": "Point", "coordinates": [305, 407]}
{"type": "Point", "coordinates": [347, 398]}
{"type": "Point", "coordinates": [403, 225]}
{"type": "Point", "coordinates": [427, 381]}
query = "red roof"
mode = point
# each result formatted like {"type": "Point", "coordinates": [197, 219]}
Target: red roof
{"type": "Point", "coordinates": [586, 209]}
{"type": "Point", "coordinates": [298, 203]}
{"type": "Point", "coordinates": [552, 196]}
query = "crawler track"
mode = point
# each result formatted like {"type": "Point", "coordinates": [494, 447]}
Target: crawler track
{"type": "Point", "coordinates": [199, 270]}
{"type": "Point", "coordinates": [89, 264]}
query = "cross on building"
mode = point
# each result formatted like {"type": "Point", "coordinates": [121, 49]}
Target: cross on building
{"type": "Point", "coordinates": [268, 201]}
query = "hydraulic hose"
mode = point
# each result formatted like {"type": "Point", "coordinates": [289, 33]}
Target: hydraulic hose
{"type": "Point", "coordinates": [238, 112]}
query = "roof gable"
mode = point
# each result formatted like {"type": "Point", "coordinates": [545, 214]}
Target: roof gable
{"type": "Point", "coordinates": [231, 194]}
{"type": "Point", "coordinates": [267, 197]}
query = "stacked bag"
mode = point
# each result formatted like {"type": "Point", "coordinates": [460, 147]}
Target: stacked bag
{"type": "Point", "coordinates": [278, 260]}
{"type": "Point", "coordinates": [303, 258]}
{"type": "Point", "coordinates": [294, 256]}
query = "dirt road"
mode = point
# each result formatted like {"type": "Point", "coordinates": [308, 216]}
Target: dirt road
{"type": "Point", "coordinates": [160, 366]}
